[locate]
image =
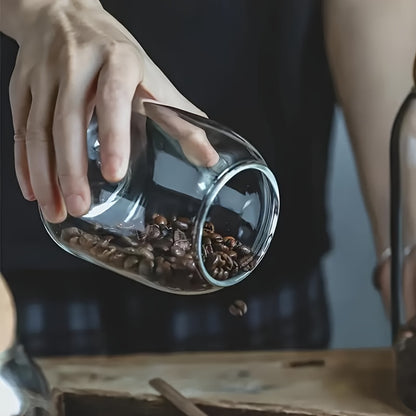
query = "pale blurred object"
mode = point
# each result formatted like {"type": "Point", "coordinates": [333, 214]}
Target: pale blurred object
{"type": "Point", "coordinates": [7, 316]}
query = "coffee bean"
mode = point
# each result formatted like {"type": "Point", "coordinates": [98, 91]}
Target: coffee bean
{"type": "Point", "coordinates": [238, 308]}
{"type": "Point", "coordinates": [229, 241]}
{"type": "Point", "coordinates": [220, 247]}
{"type": "Point", "coordinates": [130, 262]}
{"type": "Point", "coordinates": [152, 231]}
{"type": "Point", "coordinates": [212, 261]}
{"type": "Point", "coordinates": [163, 244]}
{"type": "Point", "coordinates": [209, 227]}
{"type": "Point", "coordinates": [177, 251]}
{"type": "Point", "coordinates": [180, 224]}
{"type": "Point", "coordinates": [232, 254]}
{"type": "Point", "coordinates": [216, 237]}
{"type": "Point", "coordinates": [243, 250]}
{"type": "Point", "coordinates": [145, 267]}
{"type": "Point", "coordinates": [69, 232]}
{"type": "Point", "coordinates": [162, 267]}
{"type": "Point", "coordinates": [87, 241]}
{"type": "Point", "coordinates": [179, 235]}
{"type": "Point", "coordinates": [129, 250]}
{"type": "Point", "coordinates": [74, 241]}
{"type": "Point", "coordinates": [145, 253]}
{"type": "Point", "coordinates": [160, 220]}
{"type": "Point", "coordinates": [128, 241]}
{"type": "Point", "coordinates": [117, 258]}
{"type": "Point", "coordinates": [105, 241]}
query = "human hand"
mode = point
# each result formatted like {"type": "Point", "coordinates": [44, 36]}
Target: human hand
{"type": "Point", "coordinates": [75, 57]}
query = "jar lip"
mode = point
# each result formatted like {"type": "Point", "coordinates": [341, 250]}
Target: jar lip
{"type": "Point", "coordinates": [206, 204]}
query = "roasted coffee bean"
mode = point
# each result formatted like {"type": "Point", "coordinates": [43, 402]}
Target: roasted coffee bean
{"type": "Point", "coordinates": [245, 260]}
{"type": "Point", "coordinates": [74, 241]}
{"type": "Point", "coordinates": [228, 261]}
{"type": "Point", "coordinates": [209, 227]}
{"type": "Point", "coordinates": [229, 241]}
{"type": "Point", "coordinates": [162, 244]}
{"type": "Point", "coordinates": [164, 230]}
{"type": "Point", "coordinates": [184, 263]}
{"type": "Point", "coordinates": [105, 254]}
{"type": "Point", "coordinates": [87, 241]}
{"type": "Point", "coordinates": [96, 251]}
{"type": "Point", "coordinates": [180, 224]}
{"type": "Point", "coordinates": [69, 232]}
{"type": "Point", "coordinates": [220, 247]}
{"type": "Point", "coordinates": [130, 262]}
{"type": "Point", "coordinates": [105, 241]}
{"type": "Point", "coordinates": [238, 308]}
{"type": "Point", "coordinates": [147, 246]}
{"type": "Point", "coordinates": [145, 267]}
{"type": "Point", "coordinates": [163, 267]}
{"type": "Point", "coordinates": [160, 220]}
{"type": "Point", "coordinates": [215, 237]}
{"type": "Point", "coordinates": [206, 240]}
{"type": "Point", "coordinates": [212, 261]}
{"type": "Point", "coordinates": [117, 258]}
{"type": "Point", "coordinates": [177, 251]}
{"type": "Point", "coordinates": [152, 231]}
{"type": "Point", "coordinates": [232, 254]}
{"type": "Point", "coordinates": [128, 241]}
{"type": "Point", "coordinates": [145, 253]}
{"type": "Point", "coordinates": [215, 272]}
{"type": "Point", "coordinates": [243, 250]}
{"type": "Point", "coordinates": [179, 235]}
{"type": "Point", "coordinates": [128, 250]}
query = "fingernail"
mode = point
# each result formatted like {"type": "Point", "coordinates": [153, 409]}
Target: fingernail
{"type": "Point", "coordinates": [29, 196]}
{"type": "Point", "coordinates": [75, 205]}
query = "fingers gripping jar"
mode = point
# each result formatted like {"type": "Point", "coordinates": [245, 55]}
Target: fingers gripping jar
{"type": "Point", "coordinates": [172, 223]}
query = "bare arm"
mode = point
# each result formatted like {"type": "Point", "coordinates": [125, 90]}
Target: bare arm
{"type": "Point", "coordinates": [371, 47]}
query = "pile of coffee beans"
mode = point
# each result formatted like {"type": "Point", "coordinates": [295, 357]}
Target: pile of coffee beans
{"type": "Point", "coordinates": [163, 252]}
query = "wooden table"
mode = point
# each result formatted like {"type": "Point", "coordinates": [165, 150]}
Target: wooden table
{"type": "Point", "coordinates": [324, 383]}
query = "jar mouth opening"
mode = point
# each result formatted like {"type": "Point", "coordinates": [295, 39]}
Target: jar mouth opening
{"type": "Point", "coordinates": [269, 208]}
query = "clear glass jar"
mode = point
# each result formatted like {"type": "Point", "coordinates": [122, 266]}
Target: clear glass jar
{"type": "Point", "coordinates": [403, 248]}
{"type": "Point", "coordinates": [170, 223]}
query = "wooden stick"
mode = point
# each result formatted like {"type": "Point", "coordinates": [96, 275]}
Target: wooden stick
{"type": "Point", "coordinates": [176, 398]}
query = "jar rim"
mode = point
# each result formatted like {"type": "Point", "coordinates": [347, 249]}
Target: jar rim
{"type": "Point", "coordinates": [206, 205]}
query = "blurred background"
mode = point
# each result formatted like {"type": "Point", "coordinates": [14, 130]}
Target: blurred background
{"type": "Point", "coordinates": [357, 315]}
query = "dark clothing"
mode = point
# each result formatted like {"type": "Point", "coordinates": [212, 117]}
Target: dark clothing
{"type": "Point", "coordinates": [258, 67]}
{"type": "Point", "coordinates": [60, 313]}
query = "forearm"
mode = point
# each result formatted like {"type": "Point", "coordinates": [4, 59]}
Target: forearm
{"type": "Point", "coordinates": [371, 46]}
{"type": "Point", "coordinates": [17, 15]}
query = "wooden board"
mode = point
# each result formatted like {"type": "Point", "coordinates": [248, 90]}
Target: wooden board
{"type": "Point", "coordinates": [338, 382]}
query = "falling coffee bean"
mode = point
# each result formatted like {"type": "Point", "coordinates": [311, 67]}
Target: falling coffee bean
{"type": "Point", "coordinates": [238, 308]}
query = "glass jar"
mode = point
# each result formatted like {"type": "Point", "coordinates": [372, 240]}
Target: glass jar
{"type": "Point", "coordinates": [403, 248]}
{"type": "Point", "coordinates": [170, 223]}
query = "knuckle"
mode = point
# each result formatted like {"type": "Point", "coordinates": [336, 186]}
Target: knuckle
{"type": "Point", "coordinates": [37, 134]}
{"type": "Point", "coordinates": [72, 181]}
{"type": "Point", "coordinates": [20, 135]}
{"type": "Point", "coordinates": [116, 48]}
{"type": "Point", "coordinates": [112, 90]}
